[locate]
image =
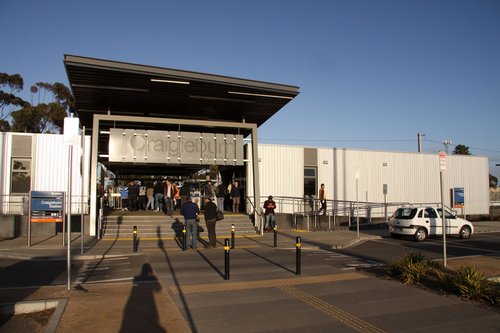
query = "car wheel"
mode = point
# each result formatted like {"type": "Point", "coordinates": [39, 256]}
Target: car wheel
{"type": "Point", "coordinates": [393, 235]}
{"type": "Point", "coordinates": [465, 232]}
{"type": "Point", "coordinates": [420, 235]}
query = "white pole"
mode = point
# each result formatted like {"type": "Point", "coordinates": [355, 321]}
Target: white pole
{"type": "Point", "coordinates": [70, 174]}
{"type": "Point", "coordinates": [82, 158]}
{"type": "Point", "coordinates": [443, 218]}
{"type": "Point", "coordinates": [442, 169]}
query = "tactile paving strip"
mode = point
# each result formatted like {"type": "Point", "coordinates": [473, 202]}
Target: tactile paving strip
{"type": "Point", "coordinates": [339, 314]}
{"type": "Point", "coordinates": [258, 284]}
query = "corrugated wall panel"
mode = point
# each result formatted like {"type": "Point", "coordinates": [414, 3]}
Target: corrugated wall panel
{"type": "Point", "coordinates": [325, 171]}
{"type": "Point", "coordinates": [281, 171]}
{"type": "Point", "coordinates": [50, 167]}
{"type": "Point", "coordinates": [411, 177]}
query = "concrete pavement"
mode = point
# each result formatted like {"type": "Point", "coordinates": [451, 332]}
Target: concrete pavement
{"type": "Point", "coordinates": [164, 289]}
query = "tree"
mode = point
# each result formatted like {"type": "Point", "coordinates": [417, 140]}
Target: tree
{"type": "Point", "coordinates": [44, 117]}
{"type": "Point", "coordinates": [13, 84]}
{"type": "Point", "coordinates": [461, 150]}
{"type": "Point", "coordinates": [493, 181]}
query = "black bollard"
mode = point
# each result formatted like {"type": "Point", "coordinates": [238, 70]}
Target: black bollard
{"type": "Point", "coordinates": [232, 236]}
{"type": "Point", "coordinates": [298, 245]}
{"type": "Point", "coordinates": [134, 239]}
{"type": "Point", "coordinates": [275, 229]}
{"type": "Point", "coordinates": [184, 240]}
{"type": "Point", "coordinates": [226, 259]}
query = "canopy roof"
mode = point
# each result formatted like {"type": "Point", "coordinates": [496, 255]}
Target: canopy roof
{"type": "Point", "coordinates": [104, 86]}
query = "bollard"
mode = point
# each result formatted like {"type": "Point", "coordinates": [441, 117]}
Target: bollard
{"type": "Point", "coordinates": [226, 259]}
{"type": "Point", "coordinates": [184, 240]}
{"type": "Point", "coordinates": [134, 239]}
{"type": "Point", "coordinates": [298, 245]}
{"type": "Point", "coordinates": [232, 236]}
{"type": "Point", "coordinates": [275, 229]}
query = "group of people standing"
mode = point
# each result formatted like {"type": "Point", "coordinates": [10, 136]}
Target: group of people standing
{"type": "Point", "coordinates": [212, 211]}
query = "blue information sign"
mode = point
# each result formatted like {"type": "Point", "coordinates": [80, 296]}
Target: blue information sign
{"type": "Point", "coordinates": [458, 197]}
{"type": "Point", "coordinates": [46, 206]}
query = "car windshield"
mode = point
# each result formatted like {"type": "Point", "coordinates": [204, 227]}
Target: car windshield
{"type": "Point", "coordinates": [405, 213]}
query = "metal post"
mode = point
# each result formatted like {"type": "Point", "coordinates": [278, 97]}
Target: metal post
{"type": "Point", "coordinates": [232, 237]}
{"type": "Point", "coordinates": [275, 229]}
{"type": "Point", "coordinates": [298, 246]}
{"type": "Point", "coordinates": [357, 208]}
{"type": "Point", "coordinates": [29, 220]}
{"type": "Point", "coordinates": [226, 259]}
{"type": "Point", "coordinates": [184, 239]}
{"type": "Point", "coordinates": [134, 240]}
{"type": "Point", "coordinates": [82, 159]}
{"type": "Point", "coordinates": [443, 217]}
{"type": "Point", "coordinates": [70, 175]}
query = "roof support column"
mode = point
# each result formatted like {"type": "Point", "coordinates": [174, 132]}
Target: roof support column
{"type": "Point", "coordinates": [255, 168]}
{"type": "Point", "coordinates": [93, 177]}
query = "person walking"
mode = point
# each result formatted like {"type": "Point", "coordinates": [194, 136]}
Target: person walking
{"type": "Point", "coordinates": [236, 196]}
{"type": "Point", "coordinates": [210, 214]}
{"type": "Point", "coordinates": [269, 207]}
{"type": "Point", "coordinates": [322, 199]}
{"type": "Point", "coordinates": [190, 212]}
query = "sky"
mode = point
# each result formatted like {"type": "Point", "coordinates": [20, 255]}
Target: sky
{"type": "Point", "coordinates": [372, 74]}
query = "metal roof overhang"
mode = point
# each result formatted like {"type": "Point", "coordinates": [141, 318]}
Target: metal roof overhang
{"type": "Point", "coordinates": [116, 88]}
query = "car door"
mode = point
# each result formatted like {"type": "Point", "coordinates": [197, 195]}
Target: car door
{"type": "Point", "coordinates": [431, 215]}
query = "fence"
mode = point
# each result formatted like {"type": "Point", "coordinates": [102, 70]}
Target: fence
{"type": "Point", "coordinates": [18, 204]}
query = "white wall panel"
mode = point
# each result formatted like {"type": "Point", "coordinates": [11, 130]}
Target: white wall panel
{"type": "Point", "coordinates": [50, 167]}
{"type": "Point", "coordinates": [281, 170]}
{"type": "Point", "coordinates": [326, 171]}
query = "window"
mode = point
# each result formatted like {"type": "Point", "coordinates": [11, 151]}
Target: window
{"type": "Point", "coordinates": [431, 213]}
{"type": "Point", "coordinates": [309, 181]}
{"type": "Point", "coordinates": [20, 176]}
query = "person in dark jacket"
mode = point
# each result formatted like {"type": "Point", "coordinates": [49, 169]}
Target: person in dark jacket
{"type": "Point", "coordinates": [190, 212]}
{"type": "Point", "coordinates": [210, 214]}
{"type": "Point", "coordinates": [236, 196]}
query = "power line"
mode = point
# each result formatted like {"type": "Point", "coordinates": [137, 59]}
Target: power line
{"type": "Point", "coordinates": [338, 140]}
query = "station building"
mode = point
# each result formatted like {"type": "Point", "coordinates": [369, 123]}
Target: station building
{"type": "Point", "coordinates": [146, 121]}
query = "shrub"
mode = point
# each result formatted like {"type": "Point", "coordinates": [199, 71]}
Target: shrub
{"type": "Point", "coordinates": [474, 285]}
{"type": "Point", "coordinates": [410, 269]}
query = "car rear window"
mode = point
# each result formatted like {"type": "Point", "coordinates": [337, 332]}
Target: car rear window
{"type": "Point", "coordinates": [405, 213]}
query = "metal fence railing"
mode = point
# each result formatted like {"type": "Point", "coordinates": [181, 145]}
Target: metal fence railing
{"type": "Point", "coordinates": [18, 204]}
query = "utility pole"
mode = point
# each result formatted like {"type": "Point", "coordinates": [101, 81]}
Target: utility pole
{"type": "Point", "coordinates": [446, 144]}
{"type": "Point", "coordinates": [419, 141]}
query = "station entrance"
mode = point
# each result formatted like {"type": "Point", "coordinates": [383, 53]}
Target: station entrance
{"type": "Point", "coordinates": [152, 122]}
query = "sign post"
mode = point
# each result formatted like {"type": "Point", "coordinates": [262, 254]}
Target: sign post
{"type": "Point", "coordinates": [71, 127]}
{"type": "Point", "coordinates": [442, 169]}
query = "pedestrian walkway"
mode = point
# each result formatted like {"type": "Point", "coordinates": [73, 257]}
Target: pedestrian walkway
{"type": "Point", "coordinates": [169, 290]}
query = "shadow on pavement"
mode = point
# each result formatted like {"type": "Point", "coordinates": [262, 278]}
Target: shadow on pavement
{"type": "Point", "coordinates": [21, 279]}
{"type": "Point", "coordinates": [270, 261]}
{"type": "Point", "coordinates": [161, 246]}
{"type": "Point", "coordinates": [140, 313]}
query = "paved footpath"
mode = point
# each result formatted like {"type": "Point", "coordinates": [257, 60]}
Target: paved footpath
{"type": "Point", "coordinates": [164, 289]}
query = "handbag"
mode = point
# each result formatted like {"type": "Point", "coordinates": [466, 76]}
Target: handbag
{"type": "Point", "coordinates": [220, 215]}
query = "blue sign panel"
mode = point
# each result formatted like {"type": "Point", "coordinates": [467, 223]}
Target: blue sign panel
{"type": "Point", "coordinates": [458, 197]}
{"type": "Point", "coordinates": [46, 206]}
